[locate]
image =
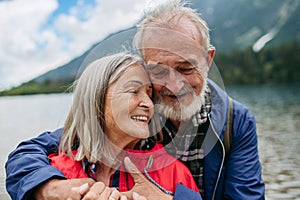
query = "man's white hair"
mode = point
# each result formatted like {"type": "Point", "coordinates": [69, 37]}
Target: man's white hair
{"type": "Point", "coordinates": [168, 16]}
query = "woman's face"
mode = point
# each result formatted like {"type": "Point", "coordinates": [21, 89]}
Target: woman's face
{"type": "Point", "coordinates": [128, 106]}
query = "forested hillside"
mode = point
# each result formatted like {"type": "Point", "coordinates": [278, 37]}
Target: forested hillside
{"type": "Point", "coordinates": [272, 65]}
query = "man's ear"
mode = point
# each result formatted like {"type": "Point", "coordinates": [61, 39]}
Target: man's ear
{"type": "Point", "coordinates": [211, 54]}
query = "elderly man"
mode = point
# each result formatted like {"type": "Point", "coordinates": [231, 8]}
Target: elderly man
{"type": "Point", "coordinates": [175, 44]}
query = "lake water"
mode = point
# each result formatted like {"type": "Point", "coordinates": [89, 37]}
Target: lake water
{"type": "Point", "coordinates": [277, 111]}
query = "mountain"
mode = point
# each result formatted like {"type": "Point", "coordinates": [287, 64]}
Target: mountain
{"type": "Point", "coordinates": [113, 43]}
{"type": "Point", "coordinates": [239, 24]}
{"type": "Point", "coordinates": [235, 25]}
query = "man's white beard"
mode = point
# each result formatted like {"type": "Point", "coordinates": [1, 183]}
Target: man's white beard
{"type": "Point", "coordinates": [185, 112]}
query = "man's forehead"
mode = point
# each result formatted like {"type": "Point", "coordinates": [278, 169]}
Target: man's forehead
{"type": "Point", "coordinates": [170, 41]}
{"type": "Point", "coordinates": [155, 57]}
{"type": "Point", "coordinates": [164, 57]}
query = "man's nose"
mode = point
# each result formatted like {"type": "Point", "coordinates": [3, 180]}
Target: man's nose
{"type": "Point", "coordinates": [175, 81]}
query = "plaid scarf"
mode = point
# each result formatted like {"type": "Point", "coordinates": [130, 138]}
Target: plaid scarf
{"type": "Point", "coordinates": [186, 142]}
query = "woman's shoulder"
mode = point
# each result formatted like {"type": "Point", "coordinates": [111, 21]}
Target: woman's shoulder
{"type": "Point", "coordinates": [67, 165]}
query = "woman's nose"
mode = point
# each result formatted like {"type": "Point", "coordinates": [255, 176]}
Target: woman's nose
{"type": "Point", "coordinates": [146, 102]}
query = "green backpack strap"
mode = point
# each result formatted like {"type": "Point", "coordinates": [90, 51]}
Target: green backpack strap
{"type": "Point", "coordinates": [228, 132]}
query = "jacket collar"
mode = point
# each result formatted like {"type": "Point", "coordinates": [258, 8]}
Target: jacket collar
{"type": "Point", "coordinates": [218, 113]}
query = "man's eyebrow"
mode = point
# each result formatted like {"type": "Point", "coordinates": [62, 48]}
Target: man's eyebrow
{"type": "Point", "coordinates": [187, 61]}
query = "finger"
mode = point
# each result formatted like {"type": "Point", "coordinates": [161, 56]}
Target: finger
{"type": "Point", "coordinates": [85, 180]}
{"type": "Point", "coordinates": [90, 196]}
{"type": "Point", "coordinates": [94, 191]}
{"type": "Point", "coordinates": [122, 197]}
{"type": "Point", "coordinates": [133, 170]}
{"type": "Point", "coordinates": [131, 195]}
{"type": "Point", "coordinates": [136, 196]}
{"type": "Point", "coordinates": [83, 189]}
{"type": "Point", "coordinates": [130, 166]}
{"type": "Point", "coordinates": [80, 181]}
{"type": "Point", "coordinates": [78, 192]}
{"type": "Point", "coordinates": [74, 194]}
{"type": "Point", "coordinates": [105, 194]}
{"type": "Point", "coordinates": [127, 194]}
{"type": "Point", "coordinates": [98, 187]}
{"type": "Point", "coordinates": [115, 194]}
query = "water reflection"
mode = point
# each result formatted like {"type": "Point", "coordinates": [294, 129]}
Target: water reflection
{"type": "Point", "coordinates": [277, 111]}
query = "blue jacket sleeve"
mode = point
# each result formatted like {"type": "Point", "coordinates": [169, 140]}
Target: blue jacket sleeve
{"type": "Point", "coordinates": [243, 178]}
{"type": "Point", "coordinates": [184, 193]}
{"type": "Point", "coordinates": [28, 165]}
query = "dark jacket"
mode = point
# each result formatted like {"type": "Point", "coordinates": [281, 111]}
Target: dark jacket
{"type": "Point", "coordinates": [238, 178]}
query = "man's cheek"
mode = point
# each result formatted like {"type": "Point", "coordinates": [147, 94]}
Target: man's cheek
{"type": "Point", "coordinates": [157, 88]}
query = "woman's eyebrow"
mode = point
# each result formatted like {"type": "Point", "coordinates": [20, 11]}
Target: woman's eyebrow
{"type": "Point", "coordinates": [132, 82]}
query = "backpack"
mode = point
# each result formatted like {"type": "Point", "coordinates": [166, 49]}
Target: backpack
{"type": "Point", "coordinates": [228, 131]}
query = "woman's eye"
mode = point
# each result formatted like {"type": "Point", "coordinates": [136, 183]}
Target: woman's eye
{"type": "Point", "coordinates": [132, 91]}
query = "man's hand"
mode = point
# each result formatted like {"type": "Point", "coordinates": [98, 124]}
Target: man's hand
{"type": "Point", "coordinates": [56, 189]}
{"type": "Point", "coordinates": [142, 185]}
{"type": "Point", "coordinates": [83, 188]}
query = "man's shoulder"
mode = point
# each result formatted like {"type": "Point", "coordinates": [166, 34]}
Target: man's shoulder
{"type": "Point", "coordinates": [240, 109]}
{"type": "Point", "coordinates": [220, 99]}
{"type": "Point", "coordinates": [55, 134]}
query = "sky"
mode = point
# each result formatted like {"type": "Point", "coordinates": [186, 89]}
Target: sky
{"type": "Point", "coordinates": [39, 35]}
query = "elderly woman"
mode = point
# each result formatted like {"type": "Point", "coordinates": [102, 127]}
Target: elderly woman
{"type": "Point", "coordinates": [108, 121]}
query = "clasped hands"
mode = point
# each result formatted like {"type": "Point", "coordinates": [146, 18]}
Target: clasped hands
{"type": "Point", "coordinates": [88, 189]}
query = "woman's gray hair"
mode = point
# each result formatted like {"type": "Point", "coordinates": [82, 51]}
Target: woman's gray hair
{"type": "Point", "coordinates": [167, 16]}
{"type": "Point", "coordinates": [85, 124]}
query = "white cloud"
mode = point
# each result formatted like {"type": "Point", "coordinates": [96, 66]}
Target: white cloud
{"type": "Point", "coordinates": [29, 46]}
{"type": "Point", "coordinates": [20, 37]}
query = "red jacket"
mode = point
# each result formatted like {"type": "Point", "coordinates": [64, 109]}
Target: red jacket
{"type": "Point", "coordinates": [165, 169]}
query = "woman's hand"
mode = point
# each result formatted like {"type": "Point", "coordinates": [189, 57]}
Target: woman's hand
{"type": "Point", "coordinates": [99, 191]}
{"type": "Point", "coordinates": [142, 185]}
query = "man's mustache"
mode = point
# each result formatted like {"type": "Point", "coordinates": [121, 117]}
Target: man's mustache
{"type": "Point", "coordinates": [183, 91]}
